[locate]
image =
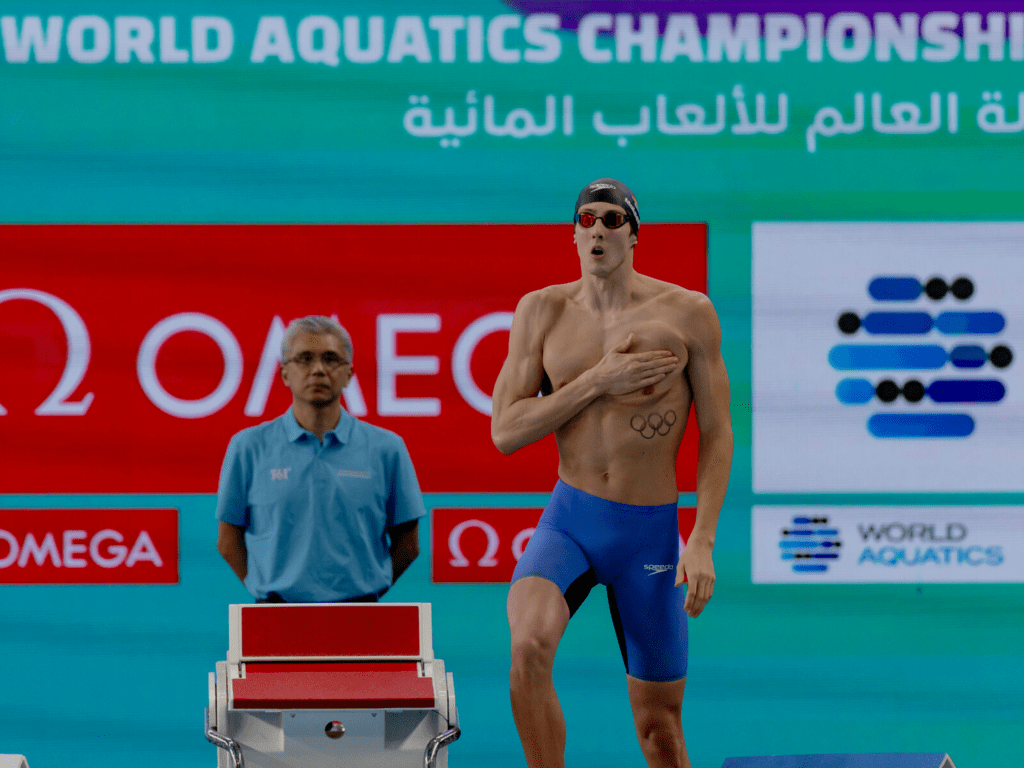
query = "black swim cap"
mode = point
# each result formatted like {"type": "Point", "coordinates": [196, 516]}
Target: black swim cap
{"type": "Point", "coordinates": [614, 192]}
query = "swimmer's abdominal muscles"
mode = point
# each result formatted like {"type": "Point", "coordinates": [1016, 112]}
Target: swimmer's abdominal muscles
{"type": "Point", "coordinates": [620, 372]}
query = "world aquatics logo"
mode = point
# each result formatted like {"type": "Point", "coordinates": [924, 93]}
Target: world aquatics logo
{"type": "Point", "coordinates": [957, 393]}
{"type": "Point", "coordinates": [810, 544]}
{"type": "Point", "coordinates": [813, 544]}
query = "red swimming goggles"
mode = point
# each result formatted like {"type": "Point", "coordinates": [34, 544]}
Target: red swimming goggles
{"type": "Point", "coordinates": [612, 219]}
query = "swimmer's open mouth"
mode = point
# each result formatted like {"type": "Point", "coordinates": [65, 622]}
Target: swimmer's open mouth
{"type": "Point", "coordinates": [597, 250]}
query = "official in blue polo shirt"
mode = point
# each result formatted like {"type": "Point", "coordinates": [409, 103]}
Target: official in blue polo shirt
{"type": "Point", "coordinates": [315, 505]}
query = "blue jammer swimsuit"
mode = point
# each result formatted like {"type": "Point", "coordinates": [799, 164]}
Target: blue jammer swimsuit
{"type": "Point", "coordinates": [583, 540]}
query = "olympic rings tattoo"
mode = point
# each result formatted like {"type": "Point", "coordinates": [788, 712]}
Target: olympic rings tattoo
{"type": "Point", "coordinates": [654, 424]}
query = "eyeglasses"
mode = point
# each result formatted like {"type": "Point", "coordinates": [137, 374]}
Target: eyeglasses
{"type": "Point", "coordinates": [330, 360]}
{"type": "Point", "coordinates": [612, 219]}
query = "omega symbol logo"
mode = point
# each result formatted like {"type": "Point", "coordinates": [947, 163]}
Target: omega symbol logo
{"type": "Point", "coordinates": [58, 403]}
{"type": "Point", "coordinates": [489, 558]}
{"type": "Point", "coordinates": [459, 560]}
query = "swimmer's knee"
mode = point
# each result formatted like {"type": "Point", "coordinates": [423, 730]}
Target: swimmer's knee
{"type": "Point", "coordinates": [538, 615]}
{"type": "Point", "coordinates": [657, 706]}
{"type": "Point", "coordinates": [533, 653]}
{"type": "Point", "coordinates": [664, 746]}
{"type": "Point", "coordinates": [657, 719]}
{"type": "Point", "coordinates": [659, 731]}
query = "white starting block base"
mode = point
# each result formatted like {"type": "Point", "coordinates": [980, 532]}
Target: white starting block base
{"type": "Point", "coordinates": [345, 685]}
{"type": "Point", "coordinates": [298, 739]}
{"type": "Point", "coordinates": [13, 761]}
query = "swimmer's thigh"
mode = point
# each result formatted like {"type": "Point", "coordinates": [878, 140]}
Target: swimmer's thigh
{"type": "Point", "coordinates": [553, 555]}
{"type": "Point", "coordinates": [647, 611]}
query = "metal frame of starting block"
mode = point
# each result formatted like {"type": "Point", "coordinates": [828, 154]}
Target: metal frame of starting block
{"type": "Point", "coordinates": [338, 684]}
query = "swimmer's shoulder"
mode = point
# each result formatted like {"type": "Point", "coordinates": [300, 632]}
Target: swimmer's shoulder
{"type": "Point", "coordinates": [693, 313]}
{"type": "Point", "coordinates": [675, 297]}
{"type": "Point", "coordinates": [541, 308]}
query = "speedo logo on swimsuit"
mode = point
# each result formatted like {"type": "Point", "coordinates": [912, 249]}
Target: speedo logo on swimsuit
{"type": "Point", "coordinates": [654, 569]}
{"type": "Point", "coordinates": [353, 473]}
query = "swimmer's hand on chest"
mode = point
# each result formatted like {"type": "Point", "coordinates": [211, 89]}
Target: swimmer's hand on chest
{"type": "Point", "coordinates": [620, 372]}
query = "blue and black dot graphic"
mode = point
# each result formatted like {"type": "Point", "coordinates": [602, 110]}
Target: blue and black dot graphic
{"type": "Point", "coordinates": [810, 544]}
{"type": "Point", "coordinates": [913, 323]}
{"type": "Point", "coordinates": [878, 357]}
{"type": "Point", "coordinates": [991, 356]}
{"type": "Point", "coordinates": [860, 391]}
{"type": "Point", "coordinates": [910, 288]}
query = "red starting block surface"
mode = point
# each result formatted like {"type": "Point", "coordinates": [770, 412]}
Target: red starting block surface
{"type": "Point", "coordinates": [347, 685]}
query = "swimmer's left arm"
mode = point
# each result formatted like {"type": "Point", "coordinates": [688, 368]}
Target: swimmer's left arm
{"type": "Point", "coordinates": [709, 383]}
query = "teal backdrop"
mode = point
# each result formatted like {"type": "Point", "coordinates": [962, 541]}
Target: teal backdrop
{"type": "Point", "coordinates": [98, 676]}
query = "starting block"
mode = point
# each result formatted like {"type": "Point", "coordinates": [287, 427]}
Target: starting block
{"type": "Point", "coordinates": [340, 684]}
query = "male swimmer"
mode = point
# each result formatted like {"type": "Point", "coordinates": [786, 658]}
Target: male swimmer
{"type": "Point", "coordinates": [619, 356]}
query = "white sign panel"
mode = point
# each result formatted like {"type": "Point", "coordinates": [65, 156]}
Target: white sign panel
{"type": "Point", "coordinates": [815, 545]}
{"type": "Point", "coordinates": [886, 357]}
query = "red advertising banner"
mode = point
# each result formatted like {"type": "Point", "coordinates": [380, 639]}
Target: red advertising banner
{"type": "Point", "coordinates": [134, 352]}
{"type": "Point", "coordinates": [477, 546]}
{"type": "Point", "coordinates": [89, 546]}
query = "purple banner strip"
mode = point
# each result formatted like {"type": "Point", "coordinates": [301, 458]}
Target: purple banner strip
{"type": "Point", "coordinates": [571, 11]}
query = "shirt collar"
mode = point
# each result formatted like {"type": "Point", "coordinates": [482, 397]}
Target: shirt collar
{"type": "Point", "coordinates": [340, 434]}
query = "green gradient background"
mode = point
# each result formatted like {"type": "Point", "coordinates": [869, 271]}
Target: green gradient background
{"type": "Point", "coordinates": [106, 676]}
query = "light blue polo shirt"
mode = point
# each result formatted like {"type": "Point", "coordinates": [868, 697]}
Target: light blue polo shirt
{"type": "Point", "coordinates": [316, 515]}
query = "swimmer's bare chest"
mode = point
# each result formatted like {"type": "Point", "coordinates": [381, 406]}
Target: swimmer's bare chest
{"type": "Point", "coordinates": [621, 447]}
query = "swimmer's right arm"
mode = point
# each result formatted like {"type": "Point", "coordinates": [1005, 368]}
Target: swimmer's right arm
{"type": "Point", "coordinates": [519, 417]}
